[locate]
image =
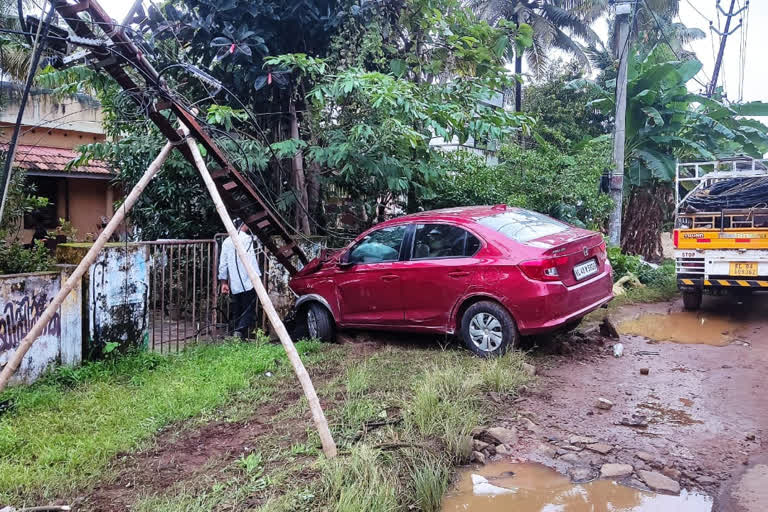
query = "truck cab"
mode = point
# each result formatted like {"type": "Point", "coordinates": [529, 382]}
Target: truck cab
{"type": "Point", "coordinates": [721, 228]}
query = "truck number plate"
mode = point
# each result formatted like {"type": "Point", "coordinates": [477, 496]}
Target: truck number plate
{"type": "Point", "coordinates": [585, 269]}
{"type": "Point", "coordinates": [740, 268]}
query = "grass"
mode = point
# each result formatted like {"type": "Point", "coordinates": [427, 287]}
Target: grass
{"type": "Point", "coordinates": [64, 430]}
{"type": "Point", "coordinates": [401, 417]}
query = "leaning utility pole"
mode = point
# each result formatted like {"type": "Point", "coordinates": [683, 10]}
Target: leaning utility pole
{"type": "Point", "coordinates": [723, 37]}
{"type": "Point", "coordinates": [623, 10]}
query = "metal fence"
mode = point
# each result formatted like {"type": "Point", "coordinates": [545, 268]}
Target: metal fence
{"type": "Point", "coordinates": [185, 305]}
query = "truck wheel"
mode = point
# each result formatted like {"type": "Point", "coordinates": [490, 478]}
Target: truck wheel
{"type": "Point", "coordinates": [692, 300]}
{"type": "Point", "coordinates": [319, 322]}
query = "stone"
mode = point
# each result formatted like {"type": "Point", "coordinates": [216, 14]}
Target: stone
{"type": "Point", "coordinates": [672, 473]}
{"type": "Point", "coordinates": [570, 458]}
{"type": "Point", "coordinates": [659, 482]}
{"type": "Point", "coordinates": [478, 445]}
{"type": "Point", "coordinates": [529, 369]}
{"type": "Point", "coordinates": [503, 450]}
{"type": "Point", "coordinates": [531, 426]}
{"type": "Point", "coordinates": [477, 457]}
{"type": "Point", "coordinates": [571, 447]}
{"type": "Point", "coordinates": [601, 448]}
{"type": "Point", "coordinates": [547, 449]}
{"type": "Point", "coordinates": [501, 435]}
{"type": "Point", "coordinates": [706, 480]}
{"type": "Point", "coordinates": [581, 474]}
{"type": "Point", "coordinates": [751, 437]}
{"type": "Point", "coordinates": [645, 371]}
{"type": "Point", "coordinates": [615, 470]}
{"type": "Point", "coordinates": [644, 456]}
{"type": "Point", "coordinates": [604, 404]}
{"type": "Point", "coordinates": [582, 440]}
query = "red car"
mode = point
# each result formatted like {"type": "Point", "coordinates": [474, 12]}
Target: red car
{"type": "Point", "coordinates": [492, 273]}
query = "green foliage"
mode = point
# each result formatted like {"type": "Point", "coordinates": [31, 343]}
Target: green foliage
{"type": "Point", "coordinates": [660, 276]}
{"type": "Point", "coordinates": [544, 179]}
{"type": "Point", "coordinates": [225, 116]}
{"type": "Point", "coordinates": [666, 123]}
{"type": "Point", "coordinates": [16, 259]}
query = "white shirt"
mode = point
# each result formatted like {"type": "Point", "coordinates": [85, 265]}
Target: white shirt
{"type": "Point", "coordinates": [232, 269]}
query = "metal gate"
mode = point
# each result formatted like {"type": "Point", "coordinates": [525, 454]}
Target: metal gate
{"type": "Point", "coordinates": [185, 305]}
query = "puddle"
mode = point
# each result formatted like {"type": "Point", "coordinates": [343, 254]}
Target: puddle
{"type": "Point", "coordinates": [681, 327]}
{"type": "Point", "coordinates": [540, 489]}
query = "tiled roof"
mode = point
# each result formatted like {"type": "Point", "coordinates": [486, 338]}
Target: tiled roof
{"type": "Point", "coordinates": [48, 159]}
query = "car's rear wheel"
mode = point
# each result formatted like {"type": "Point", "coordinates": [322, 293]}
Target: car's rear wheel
{"type": "Point", "coordinates": [488, 329]}
{"type": "Point", "coordinates": [319, 322]}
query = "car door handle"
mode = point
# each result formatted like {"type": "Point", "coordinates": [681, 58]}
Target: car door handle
{"type": "Point", "coordinates": [458, 273]}
{"type": "Point", "coordinates": [389, 277]}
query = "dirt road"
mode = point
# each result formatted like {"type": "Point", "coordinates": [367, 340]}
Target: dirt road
{"type": "Point", "coordinates": [699, 414]}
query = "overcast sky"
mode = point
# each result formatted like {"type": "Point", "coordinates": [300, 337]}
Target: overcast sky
{"type": "Point", "coordinates": [755, 71]}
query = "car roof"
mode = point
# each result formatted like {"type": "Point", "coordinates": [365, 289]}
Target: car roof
{"type": "Point", "coordinates": [465, 213]}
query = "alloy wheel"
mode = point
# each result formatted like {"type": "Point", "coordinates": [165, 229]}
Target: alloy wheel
{"type": "Point", "coordinates": [485, 332]}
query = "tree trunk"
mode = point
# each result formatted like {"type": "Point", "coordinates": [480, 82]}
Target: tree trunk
{"type": "Point", "coordinates": [299, 180]}
{"type": "Point", "coordinates": [644, 215]}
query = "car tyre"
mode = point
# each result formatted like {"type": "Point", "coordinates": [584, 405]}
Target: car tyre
{"type": "Point", "coordinates": [488, 329]}
{"type": "Point", "coordinates": [692, 300]}
{"type": "Point", "coordinates": [319, 322]}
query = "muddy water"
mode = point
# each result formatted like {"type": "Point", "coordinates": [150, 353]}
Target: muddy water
{"type": "Point", "coordinates": [540, 489]}
{"type": "Point", "coordinates": [682, 327]}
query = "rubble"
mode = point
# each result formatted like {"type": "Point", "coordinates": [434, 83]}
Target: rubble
{"type": "Point", "coordinates": [581, 474]}
{"type": "Point", "coordinates": [608, 330]}
{"type": "Point", "coordinates": [658, 482]}
{"type": "Point", "coordinates": [581, 440]}
{"type": "Point", "coordinates": [603, 403]}
{"type": "Point", "coordinates": [615, 470]}
{"type": "Point", "coordinates": [530, 370]}
{"type": "Point", "coordinates": [601, 448]}
{"type": "Point", "coordinates": [644, 456]}
{"type": "Point", "coordinates": [477, 457]}
{"type": "Point", "coordinates": [500, 435]}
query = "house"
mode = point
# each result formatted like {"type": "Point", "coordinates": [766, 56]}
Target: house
{"type": "Point", "coordinates": [52, 127]}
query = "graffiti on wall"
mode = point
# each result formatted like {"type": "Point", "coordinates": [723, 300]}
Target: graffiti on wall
{"type": "Point", "coordinates": [19, 316]}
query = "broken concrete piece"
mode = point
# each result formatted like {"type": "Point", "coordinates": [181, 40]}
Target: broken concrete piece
{"type": "Point", "coordinates": [501, 435]}
{"type": "Point", "coordinates": [581, 474]}
{"type": "Point", "coordinates": [531, 426]}
{"type": "Point", "coordinates": [600, 448]}
{"type": "Point", "coordinates": [603, 403]}
{"type": "Point", "coordinates": [659, 482]}
{"type": "Point", "coordinates": [615, 470]}
{"type": "Point", "coordinates": [637, 420]}
{"type": "Point", "coordinates": [644, 456]}
{"type": "Point", "coordinates": [477, 457]}
{"type": "Point", "coordinates": [644, 371]}
{"type": "Point", "coordinates": [581, 440]}
{"type": "Point", "coordinates": [530, 370]}
{"type": "Point", "coordinates": [482, 487]}
{"type": "Point", "coordinates": [570, 458]}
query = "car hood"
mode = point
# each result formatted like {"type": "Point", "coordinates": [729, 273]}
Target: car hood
{"type": "Point", "coordinates": [327, 257]}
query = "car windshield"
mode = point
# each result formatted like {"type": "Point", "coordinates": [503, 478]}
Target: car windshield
{"type": "Point", "coordinates": [523, 225]}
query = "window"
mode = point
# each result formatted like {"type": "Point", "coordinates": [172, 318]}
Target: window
{"type": "Point", "coordinates": [523, 225]}
{"type": "Point", "coordinates": [379, 246]}
{"type": "Point", "coordinates": [443, 241]}
{"type": "Point", "coordinates": [44, 217]}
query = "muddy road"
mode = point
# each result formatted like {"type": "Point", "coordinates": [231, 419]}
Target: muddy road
{"type": "Point", "coordinates": [689, 399]}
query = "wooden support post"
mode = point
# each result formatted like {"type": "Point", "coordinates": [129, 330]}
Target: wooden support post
{"type": "Point", "coordinates": [329, 446]}
{"type": "Point", "coordinates": [82, 267]}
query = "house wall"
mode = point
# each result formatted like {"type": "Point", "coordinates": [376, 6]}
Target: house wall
{"type": "Point", "coordinates": [23, 298]}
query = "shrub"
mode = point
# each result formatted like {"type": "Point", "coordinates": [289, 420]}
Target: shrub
{"type": "Point", "coordinates": [16, 259]}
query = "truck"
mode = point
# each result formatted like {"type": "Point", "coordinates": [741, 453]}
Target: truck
{"type": "Point", "coordinates": [721, 228]}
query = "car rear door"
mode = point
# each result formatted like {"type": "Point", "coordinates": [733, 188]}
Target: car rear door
{"type": "Point", "coordinates": [369, 284]}
{"type": "Point", "coordinates": [440, 268]}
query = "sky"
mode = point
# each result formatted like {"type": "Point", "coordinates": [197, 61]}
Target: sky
{"type": "Point", "coordinates": [754, 28]}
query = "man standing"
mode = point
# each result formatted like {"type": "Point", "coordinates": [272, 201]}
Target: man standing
{"type": "Point", "coordinates": [234, 279]}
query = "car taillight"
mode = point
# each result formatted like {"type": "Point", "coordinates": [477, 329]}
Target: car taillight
{"type": "Point", "coordinates": [602, 252]}
{"type": "Point", "coordinates": [676, 238]}
{"type": "Point", "coordinates": [544, 269]}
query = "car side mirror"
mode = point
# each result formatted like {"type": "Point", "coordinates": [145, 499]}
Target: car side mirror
{"type": "Point", "coordinates": [344, 261]}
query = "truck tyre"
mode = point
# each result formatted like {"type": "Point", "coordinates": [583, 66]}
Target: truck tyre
{"type": "Point", "coordinates": [319, 322]}
{"type": "Point", "coordinates": [488, 329]}
{"type": "Point", "coordinates": [692, 300]}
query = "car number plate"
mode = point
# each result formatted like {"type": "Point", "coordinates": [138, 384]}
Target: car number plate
{"type": "Point", "coordinates": [585, 269]}
{"type": "Point", "coordinates": [740, 268]}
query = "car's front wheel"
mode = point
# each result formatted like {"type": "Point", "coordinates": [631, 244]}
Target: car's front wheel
{"type": "Point", "coordinates": [488, 329]}
{"type": "Point", "coordinates": [319, 322]}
